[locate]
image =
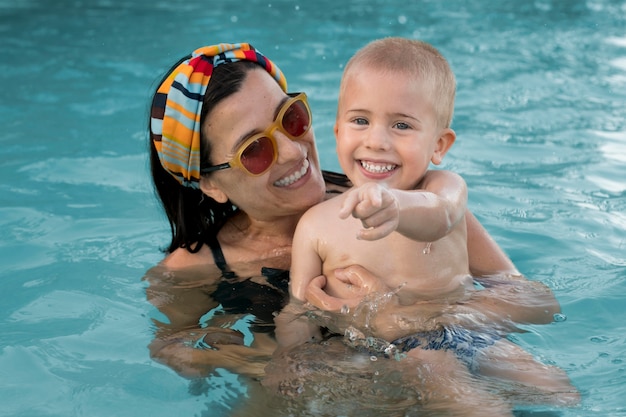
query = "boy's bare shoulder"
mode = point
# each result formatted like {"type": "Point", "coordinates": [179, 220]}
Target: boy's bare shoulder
{"type": "Point", "coordinates": [332, 200]}
{"type": "Point", "coordinates": [440, 177]}
{"type": "Point", "coordinates": [325, 211]}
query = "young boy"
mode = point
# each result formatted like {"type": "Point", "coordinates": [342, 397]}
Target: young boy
{"type": "Point", "coordinates": [403, 222]}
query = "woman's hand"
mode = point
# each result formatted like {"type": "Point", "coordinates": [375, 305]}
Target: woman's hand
{"type": "Point", "coordinates": [196, 353]}
{"type": "Point", "coordinates": [368, 305]}
{"type": "Point", "coordinates": [338, 312]}
{"type": "Point", "coordinates": [358, 283]}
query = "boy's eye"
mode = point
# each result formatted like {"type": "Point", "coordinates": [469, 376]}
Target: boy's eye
{"type": "Point", "coordinates": [359, 121]}
{"type": "Point", "coordinates": [402, 126]}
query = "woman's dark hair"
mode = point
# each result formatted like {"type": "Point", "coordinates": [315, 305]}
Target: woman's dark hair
{"type": "Point", "coordinates": [195, 219]}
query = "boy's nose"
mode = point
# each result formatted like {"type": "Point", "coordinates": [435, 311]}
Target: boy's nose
{"type": "Point", "coordinates": [377, 139]}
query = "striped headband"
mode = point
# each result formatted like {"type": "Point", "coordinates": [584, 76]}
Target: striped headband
{"type": "Point", "coordinates": [177, 105]}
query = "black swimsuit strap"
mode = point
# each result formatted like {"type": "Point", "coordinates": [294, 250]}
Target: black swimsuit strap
{"type": "Point", "coordinates": [216, 249]}
{"type": "Point", "coordinates": [249, 297]}
{"type": "Point", "coordinates": [218, 257]}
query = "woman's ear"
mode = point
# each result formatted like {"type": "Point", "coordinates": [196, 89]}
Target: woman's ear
{"type": "Point", "coordinates": [209, 188]}
{"type": "Point", "coordinates": [443, 145]}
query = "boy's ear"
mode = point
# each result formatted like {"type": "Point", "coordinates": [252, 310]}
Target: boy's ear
{"type": "Point", "coordinates": [209, 188]}
{"type": "Point", "coordinates": [443, 145]}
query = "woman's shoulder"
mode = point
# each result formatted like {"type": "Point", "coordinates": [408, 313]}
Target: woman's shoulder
{"type": "Point", "coordinates": [181, 267]}
{"type": "Point", "coordinates": [182, 258]}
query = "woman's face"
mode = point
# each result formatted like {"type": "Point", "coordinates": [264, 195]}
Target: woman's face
{"type": "Point", "coordinates": [289, 187]}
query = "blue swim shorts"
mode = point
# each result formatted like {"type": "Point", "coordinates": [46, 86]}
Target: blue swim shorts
{"type": "Point", "coordinates": [463, 342]}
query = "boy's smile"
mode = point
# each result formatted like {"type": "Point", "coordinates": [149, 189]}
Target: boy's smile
{"type": "Point", "coordinates": [386, 133]}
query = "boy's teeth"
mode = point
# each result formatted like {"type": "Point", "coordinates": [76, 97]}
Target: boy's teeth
{"type": "Point", "coordinates": [377, 168]}
{"type": "Point", "coordinates": [283, 182]}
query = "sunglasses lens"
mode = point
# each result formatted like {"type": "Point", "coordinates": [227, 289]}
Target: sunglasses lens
{"type": "Point", "coordinates": [258, 156]}
{"type": "Point", "coordinates": [296, 119]}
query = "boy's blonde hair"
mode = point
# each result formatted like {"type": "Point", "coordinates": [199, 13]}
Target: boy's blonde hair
{"type": "Point", "coordinates": [413, 58]}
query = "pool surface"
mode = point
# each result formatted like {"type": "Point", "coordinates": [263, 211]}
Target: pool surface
{"type": "Point", "coordinates": [541, 124]}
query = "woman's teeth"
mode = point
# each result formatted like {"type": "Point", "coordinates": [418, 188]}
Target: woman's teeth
{"type": "Point", "coordinates": [377, 168]}
{"type": "Point", "coordinates": [283, 182]}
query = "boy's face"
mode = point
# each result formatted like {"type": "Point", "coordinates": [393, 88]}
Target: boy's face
{"type": "Point", "coordinates": [387, 130]}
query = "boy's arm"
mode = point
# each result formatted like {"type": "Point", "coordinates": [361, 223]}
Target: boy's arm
{"type": "Point", "coordinates": [306, 263]}
{"type": "Point", "coordinates": [425, 214]}
{"type": "Point", "coordinates": [430, 213]}
{"type": "Point", "coordinates": [293, 327]}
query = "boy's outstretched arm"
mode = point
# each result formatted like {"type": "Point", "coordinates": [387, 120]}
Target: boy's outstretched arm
{"type": "Point", "coordinates": [430, 213]}
{"type": "Point", "coordinates": [426, 214]}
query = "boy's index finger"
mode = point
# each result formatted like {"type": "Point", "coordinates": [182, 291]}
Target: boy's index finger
{"type": "Point", "coordinates": [349, 204]}
{"type": "Point", "coordinates": [374, 196]}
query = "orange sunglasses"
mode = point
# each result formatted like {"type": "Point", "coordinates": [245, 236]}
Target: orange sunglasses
{"type": "Point", "coordinates": [259, 152]}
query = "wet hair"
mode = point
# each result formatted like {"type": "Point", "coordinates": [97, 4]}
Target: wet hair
{"type": "Point", "coordinates": [413, 58]}
{"type": "Point", "coordinates": [194, 218]}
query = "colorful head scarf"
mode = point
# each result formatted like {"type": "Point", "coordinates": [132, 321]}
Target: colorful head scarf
{"type": "Point", "coordinates": [177, 105]}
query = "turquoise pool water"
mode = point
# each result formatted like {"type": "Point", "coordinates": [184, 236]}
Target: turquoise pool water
{"type": "Point", "coordinates": [541, 124]}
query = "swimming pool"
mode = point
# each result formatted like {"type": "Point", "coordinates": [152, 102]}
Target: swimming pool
{"type": "Point", "coordinates": [541, 124]}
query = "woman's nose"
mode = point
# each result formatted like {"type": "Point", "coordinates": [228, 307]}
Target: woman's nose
{"type": "Point", "coordinates": [288, 149]}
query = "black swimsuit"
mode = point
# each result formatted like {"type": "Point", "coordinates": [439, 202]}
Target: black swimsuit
{"type": "Point", "coordinates": [248, 297]}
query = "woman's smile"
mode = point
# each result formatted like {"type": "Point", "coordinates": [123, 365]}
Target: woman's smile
{"type": "Point", "coordinates": [292, 178]}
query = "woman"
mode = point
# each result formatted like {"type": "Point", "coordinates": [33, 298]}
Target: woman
{"type": "Point", "coordinates": [235, 164]}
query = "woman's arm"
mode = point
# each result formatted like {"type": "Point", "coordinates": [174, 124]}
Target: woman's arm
{"type": "Point", "coordinates": [508, 298]}
{"type": "Point", "coordinates": [196, 352]}
{"type": "Point", "coordinates": [293, 327]}
{"type": "Point", "coordinates": [485, 256]}
{"type": "Point", "coordinates": [504, 305]}
{"type": "Point", "coordinates": [507, 292]}
{"type": "Point", "coordinates": [182, 343]}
